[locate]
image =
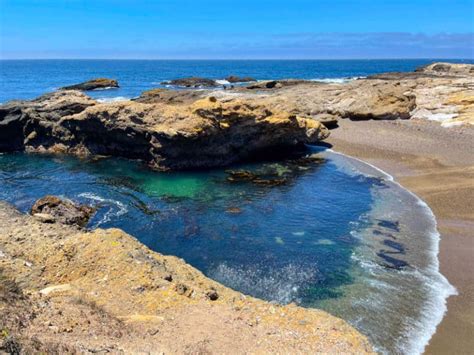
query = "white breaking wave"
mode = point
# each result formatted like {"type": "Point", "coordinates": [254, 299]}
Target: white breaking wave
{"type": "Point", "coordinates": [106, 88]}
{"type": "Point", "coordinates": [337, 80]}
{"type": "Point", "coordinates": [116, 208]}
{"type": "Point", "coordinates": [114, 99]}
{"type": "Point", "coordinates": [281, 284]}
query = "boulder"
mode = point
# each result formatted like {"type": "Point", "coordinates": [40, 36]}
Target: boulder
{"type": "Point", "coordinates": [50, 209]}
{"type": "Point", "coordinates": [239, 79]}
{"type": "Point", "coordinates": [193, 82]}
{"type": "Point", "coordinates": [94, 84]}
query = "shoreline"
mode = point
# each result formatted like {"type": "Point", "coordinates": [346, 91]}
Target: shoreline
{"type": "Point", "coordinates": [433, 172]}
{"type": "Point", "coordinates": [435, 316]}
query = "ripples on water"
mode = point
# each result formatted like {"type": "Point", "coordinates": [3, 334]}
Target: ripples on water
{"type": "Point", "coordinates": [324, 232]}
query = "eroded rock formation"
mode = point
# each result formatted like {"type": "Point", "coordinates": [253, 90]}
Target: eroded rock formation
{"type": "Point", "coordinates": [207, 133]}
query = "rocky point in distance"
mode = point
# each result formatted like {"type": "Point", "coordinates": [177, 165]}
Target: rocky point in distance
{"type": "Point", "coordinates": [94, 84]}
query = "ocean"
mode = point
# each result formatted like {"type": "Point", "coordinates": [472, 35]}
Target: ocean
{"type": "Point", "coordinates": [27, 79]}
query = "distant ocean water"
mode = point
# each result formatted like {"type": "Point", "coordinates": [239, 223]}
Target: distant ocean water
{"type": "Point", "coordinates": [27, 79]}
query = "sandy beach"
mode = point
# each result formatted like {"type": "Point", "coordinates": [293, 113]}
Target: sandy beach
{"type": "Point", "coordinates": [437, 164]}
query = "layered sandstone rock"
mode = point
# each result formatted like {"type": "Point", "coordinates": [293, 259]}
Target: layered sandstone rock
{"type": "Point", "coordinates": [207, 133]}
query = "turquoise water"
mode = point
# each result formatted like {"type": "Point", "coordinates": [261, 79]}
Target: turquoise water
{"type": "Point", "coordinates": [323, 231]}
{"type": "Point", "coordinates": [27, 79]}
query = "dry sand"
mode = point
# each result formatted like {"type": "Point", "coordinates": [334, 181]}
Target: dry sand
{"type": "Point", "coordinates": [437, 164]}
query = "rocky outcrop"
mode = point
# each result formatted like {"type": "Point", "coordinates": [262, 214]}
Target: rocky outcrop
{"type": "Point", "coordinates": [51, 209]}
{"type": "Point", "coordinates": [447, 69]}
{"type": "Point", "coordinates": [94, 84]}
{"type": "Point", "coordinates": [207, 133]}
{"type": "Point", "coordinates": [193, 82]}
{"type": "Point", "coordinates": [239, 79]}
{"type": "Point", "coordinates": [26, 123]}
{"type": "Point", "coordinates": [327, 103]}
{"type": "Point", "coordinates": [67, 291]}
{"type": "Point", "coordinates": [168, 96]}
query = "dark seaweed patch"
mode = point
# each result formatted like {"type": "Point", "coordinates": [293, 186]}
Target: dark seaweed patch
{"type": "Point", "coordinates": [395, 226]}
{"type": "Point", "coordinates": [393, 263]}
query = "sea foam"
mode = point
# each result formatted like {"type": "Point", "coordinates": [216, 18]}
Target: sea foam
{"type": "Point", "coordinates": [418, 334]}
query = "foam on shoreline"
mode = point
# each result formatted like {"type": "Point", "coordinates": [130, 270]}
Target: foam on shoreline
{"type": "Point", "coordinates": [417, 338]}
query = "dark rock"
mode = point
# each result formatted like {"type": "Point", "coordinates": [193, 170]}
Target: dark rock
{"type": "Point", "coordinates": [393, 263]}
{"type": "Point", "coordinates": [328, 120]}
{"type": "Point", "coordinates": [239, 79]}
{"type": "Point", "coordinates": [94, 84]}
{"type": "Point", "coordinates": [63, 211]}
{"type": "Point", "coordinates": [212, 295]}
{"type": "Point", "coordinates": [247, 176]}
{"type": "Point", "coordinates": [193, 82]}
{"type": "Point", "coordinates": [30, 123]}
{"type": "Point", "coordinates": [11, 346]}
{"type": "Point", "coordinates": [276, 84]}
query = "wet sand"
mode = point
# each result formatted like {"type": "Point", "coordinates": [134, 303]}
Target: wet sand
{"type": "Point", "coordinates": [437, 164]}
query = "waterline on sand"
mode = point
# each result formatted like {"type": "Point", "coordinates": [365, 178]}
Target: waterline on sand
{"type": "Point", "coordinates": [418, 335]}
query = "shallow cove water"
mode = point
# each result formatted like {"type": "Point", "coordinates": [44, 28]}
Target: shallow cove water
{"type": "Point", "coordinates": [324, 231]}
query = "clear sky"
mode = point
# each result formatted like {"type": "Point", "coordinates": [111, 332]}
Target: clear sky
{"type": "Point", "coordinates": [241, 29]}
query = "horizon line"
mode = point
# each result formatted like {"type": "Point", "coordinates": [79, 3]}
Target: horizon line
{"type": "Point", "coordinates": [248, 59]}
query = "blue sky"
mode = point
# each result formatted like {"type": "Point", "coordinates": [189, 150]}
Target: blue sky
{"type": "Point", "coordinates": [241, 29]}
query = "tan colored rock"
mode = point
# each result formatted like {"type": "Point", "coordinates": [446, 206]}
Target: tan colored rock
{"type": "Point", "coordinates": [205, 133]}
{"type": "Point", "coordinates": [447, 69]}
{"type": "Point", "coordinates": [172, 97]}
{"type": "Point", "coordinates": [94, 302]}
{"type": "Point", "coordinates": [55, 289]}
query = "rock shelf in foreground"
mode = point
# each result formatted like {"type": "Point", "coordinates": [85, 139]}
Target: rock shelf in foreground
{"type": "Point", "coordinates": [64, 290]}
